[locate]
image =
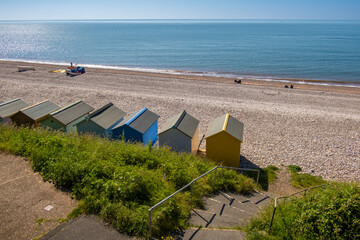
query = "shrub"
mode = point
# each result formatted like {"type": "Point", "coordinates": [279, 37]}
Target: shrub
{"type": "Point", "coordinates": [332, 212]}
{"type": "Point", "coordinates": [120, 181]}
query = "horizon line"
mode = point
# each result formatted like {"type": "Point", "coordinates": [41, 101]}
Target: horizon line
{"type": "Point", "coordinates": [182, 19]}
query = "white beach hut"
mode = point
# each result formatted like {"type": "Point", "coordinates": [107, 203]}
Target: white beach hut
{"type": "Point", "coordinates": [180, 133]}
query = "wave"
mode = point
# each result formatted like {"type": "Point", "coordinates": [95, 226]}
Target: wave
{"type": "Point", "coordinates": [205, 74]}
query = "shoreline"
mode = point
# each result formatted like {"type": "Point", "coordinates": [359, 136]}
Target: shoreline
{"type": "Point", "coordinates": [305, 84]}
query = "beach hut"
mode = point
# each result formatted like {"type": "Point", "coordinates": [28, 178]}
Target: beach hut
{"type": "Point", "coordinates": [180, 133]}
{"type": "Point", "coordinates": [102, 120]}
{"type": "Point", "coordinates": [141, 126]}
{"type": "Point", "coordinates": [8, 109]}
{"type": "Point", "coordinates": [65, 119]}
{"type": "Point", "coordinates": [32, 115]}
{"type": "Point", "coordinates": [223, 140]}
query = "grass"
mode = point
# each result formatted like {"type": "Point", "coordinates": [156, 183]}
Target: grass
{"type": "Point", "coordinates": [303, 180]}
{"type": "Point", "coordinates": [332, 212]}
{"type": "Point", "coordinates": [267, 176]}
{"type": "Point", "coordinates": [39, 221]}
{"type": "Point", "coordinates": [119, 181]}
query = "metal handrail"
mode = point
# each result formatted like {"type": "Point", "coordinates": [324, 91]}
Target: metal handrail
{"type": "Point", "coordinates": [288, 196]}
{"type": "Point", "coordinates": [190, 184]}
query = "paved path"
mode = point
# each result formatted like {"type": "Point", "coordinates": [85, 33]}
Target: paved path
{"type": "Point", "coordinates": [23, 199]}
{"type": "Point", "coordinates": [88, 227]}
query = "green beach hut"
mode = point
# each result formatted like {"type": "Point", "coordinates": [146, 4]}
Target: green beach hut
{"type": "Point", "coordinates": [101, 121]}
{"type": "Point", "coordinates": [34, 114]}
{"type": "Point", "coordinates": [8, 109]}
{"type": "Point", "coordinates": [65, 119]}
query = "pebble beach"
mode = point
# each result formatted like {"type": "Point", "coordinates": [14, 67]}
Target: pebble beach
{"type": "Point", "coordinates": [312, 126]}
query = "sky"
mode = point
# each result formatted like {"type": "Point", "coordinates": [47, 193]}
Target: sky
{"type": "Point", "coordinates": [179, 9]}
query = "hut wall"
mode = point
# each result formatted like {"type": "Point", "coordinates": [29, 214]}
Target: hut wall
{"type": "Point", "coordinates": [21, 119]}
{"type": "Point", "coordinates": [6, 120]}
{"type": "Point", "coordinates": [89, 127]}
{"type": "Point", "coordinates": [130, 134]}
{"type": "Point", "coordinates": [176, 140]}
{"type": "Point", "coordinates": [151, 134]}
{"type": "Point", "coordinates": [52, 123]}
{"type": "Point", "coordinates": [71, 127]}
{"type": "Point", "coordinates": [195, 141]}
{"type": "Point", "coordinates": [224, 149]}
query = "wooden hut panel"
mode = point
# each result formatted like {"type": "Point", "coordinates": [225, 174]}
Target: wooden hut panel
{"type": "Point", "coordinates": [176, 140]}
{"type": "Point", "coordinates": [224, 149]}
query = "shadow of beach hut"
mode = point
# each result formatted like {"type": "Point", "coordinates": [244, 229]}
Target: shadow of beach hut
{"type": "Point", "coordinates": [223, 140]}
{"type": "Point", "coordinates": [9, 108]}
{"type": "Point", "coordinates": [141, 127]}
{"type": "Point", "coordinates": [66, 118]}
{"type": "Point", "coordinates": [180, 133]}
{"type": "Point", "coordinates": [34, 114]}
{"type": "Point", "coordinates": [102, 121]}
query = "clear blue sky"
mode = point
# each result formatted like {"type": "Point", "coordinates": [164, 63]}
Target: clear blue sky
{"type": "Point", "coordinates": [179, 9]}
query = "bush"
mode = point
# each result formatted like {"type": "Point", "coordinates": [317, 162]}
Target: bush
{"type": "Point", "coordinates": [117, 180]}
{"type": "Point", "coordinates": [332, 212]}
{"type": "Point", "coordinates": [303, 180]}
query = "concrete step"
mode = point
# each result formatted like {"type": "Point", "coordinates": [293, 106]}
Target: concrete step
{"type": "Point", "coordinates": [213, 220]}
{"type": "Point", "coordinates": [209, 234]}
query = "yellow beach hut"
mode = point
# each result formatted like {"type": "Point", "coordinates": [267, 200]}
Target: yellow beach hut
{"type": "Point", "coordinates": [223, 140]}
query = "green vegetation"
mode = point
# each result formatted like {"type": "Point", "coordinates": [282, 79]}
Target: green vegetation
{"type": "Point", "coordinates": [271, 173]}
{"type": "Point", "coordinates": [303, 180]}
{"type": "Point", "coordinates": [119, 181]}
{"type": "Point", "coordinates": [39, 221]}
{"type": "Point", "coordinates": [267, 175]}
{"type": "Point", "coordinates": [330, 212]}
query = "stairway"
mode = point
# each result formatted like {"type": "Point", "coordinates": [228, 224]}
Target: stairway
{"type": "Point", "coordinates": [223, 212]}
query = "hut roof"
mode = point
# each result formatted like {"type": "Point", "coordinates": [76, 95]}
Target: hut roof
{"type": "Point", "coordinates": [227, 124]}
{"type": "Point", "coordinates": [39, 110]}
{"type": "Point", "coordinates": [71, 112]}
{"type": "Point", "coordinates": [184, 122]}
{"type": "Point", "coordinates": [11, 107]}
{"type": "Point", "coordinates": [140, 121]}
{"type": "Point", "coordinates": [107, 116]}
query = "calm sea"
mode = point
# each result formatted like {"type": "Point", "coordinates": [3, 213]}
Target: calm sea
{"type": "Point", "coordinates": [274, 49]}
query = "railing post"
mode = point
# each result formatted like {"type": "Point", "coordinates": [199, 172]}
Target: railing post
{"type": "Point", "coordinates": [258, 175]}
{"type": "Point", "coordinates": [215, 177]}
{"type": "Point", "coordinates": [272, 219]}
{"type": "Point", "coordinates": [191, 186]}
{"type": "Point", "coordinates": [150, 233]}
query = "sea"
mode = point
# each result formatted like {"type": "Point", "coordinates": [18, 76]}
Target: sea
{"type": "Point", "coordinates": [271, 50]}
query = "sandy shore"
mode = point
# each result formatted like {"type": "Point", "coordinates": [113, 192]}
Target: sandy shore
{"type": "Point", "coordinates": [315, 127]}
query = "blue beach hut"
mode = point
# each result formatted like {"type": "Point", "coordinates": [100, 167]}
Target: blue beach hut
{"type": "Point", "coordinates": [141, 126]}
